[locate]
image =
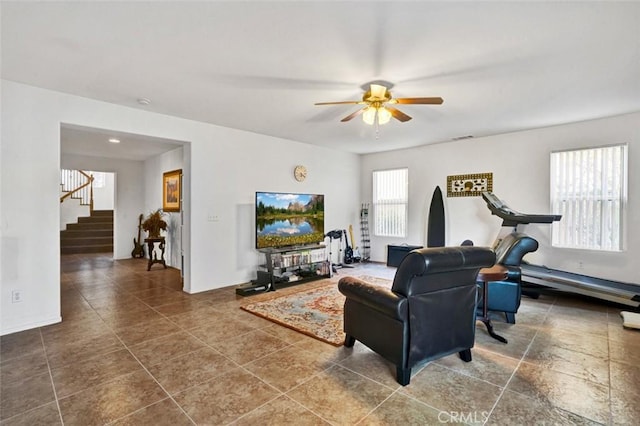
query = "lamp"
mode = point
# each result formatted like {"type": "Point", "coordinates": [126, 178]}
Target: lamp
{"type": "Point", "coordinates": [383, 115]}
{"type": "Point", "coordinates": [372, 112]}
{"type": "Point", "coordinates": [369, 115]}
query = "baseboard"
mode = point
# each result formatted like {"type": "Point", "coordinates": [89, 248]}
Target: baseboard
{"type": "Point", "coordinates": [29, 326]}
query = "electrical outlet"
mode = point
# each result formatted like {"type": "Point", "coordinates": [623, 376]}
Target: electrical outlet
{"type": "Point", "coordinates": [16, 296]}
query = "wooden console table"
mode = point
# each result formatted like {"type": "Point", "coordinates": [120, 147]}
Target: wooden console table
{"type": "Point", "coordinates": [153, 257]}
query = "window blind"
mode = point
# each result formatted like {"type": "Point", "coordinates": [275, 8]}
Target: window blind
{"type": "Point", "coordinates": [588, 188]}
{"type": "Point", "coordinates": [390, 202]}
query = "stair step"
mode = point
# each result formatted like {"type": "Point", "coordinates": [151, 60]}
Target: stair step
{"type": "Point", "coordinates": [96, 219]}
{"type": "Point", "coordinates": [102, 213]}
{"type": "Point", "coordinates": [86, 249]}
{"type": "Point", "coordinates": [92, 234]}
{"type": "Point", "coordinates": [85, 241]}
{"type": "Point", "coordinates": [85, 226]}
{"type": "Point", "coordinates": [83, 233]}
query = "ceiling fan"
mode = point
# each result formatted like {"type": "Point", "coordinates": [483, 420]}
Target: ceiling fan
{"type": "Point", "coordinates": [377, 101]}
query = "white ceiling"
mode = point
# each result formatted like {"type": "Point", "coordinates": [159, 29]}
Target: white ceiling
{"type": "Point", "coordinates": [260, 66]}
{"type": "Point", "coordinates": [95, 143]}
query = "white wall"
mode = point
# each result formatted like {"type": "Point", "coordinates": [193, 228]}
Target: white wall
{"type": "Point", "coordinates": [70, 211]}
{"type": "Point", "coordinates": [128, 199]}
{"type": "Point", "coordinates": [103, 197]}
{"type": "Point", "coordinates": [520, 166]}
{"type": "Point", "coordinates": [154, 169]}
{"type": "Point", "coordinates": [222, 170]}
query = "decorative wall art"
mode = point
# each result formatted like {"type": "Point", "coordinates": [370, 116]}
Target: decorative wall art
{"type": "Point", "coordinates": [171, 191]}
{"type": "Point", "coordinates": [472, 185]}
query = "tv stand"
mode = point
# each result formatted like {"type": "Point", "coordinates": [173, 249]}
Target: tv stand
{"type": "Point", "coordinates": [288, 266]}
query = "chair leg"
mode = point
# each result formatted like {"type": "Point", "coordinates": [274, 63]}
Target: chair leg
{"type": "Point", "coordinates": [465, 355]}
{"type": "Point", "coordinates": [349, 341]}
{"type": "Point", "coordinates": [403, 375]}
{"type": "Point", "coordinates": [511, 317]}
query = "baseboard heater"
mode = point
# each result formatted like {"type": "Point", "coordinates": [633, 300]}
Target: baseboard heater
{"type": "Point", "coordinates": [612, 291]}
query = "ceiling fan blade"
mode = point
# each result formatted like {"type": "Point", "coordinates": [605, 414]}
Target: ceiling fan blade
{"type": "Point", "coordinates": [397, 114]}
{"type": "Point", "coordinates": [432, 101]}
{"type": "Point", "coordinates": [355, 114]}
{"type": "Point", "coordinates": [339, 103]}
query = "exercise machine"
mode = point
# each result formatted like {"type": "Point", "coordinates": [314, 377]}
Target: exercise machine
{"type": "Point", "coordinates": [612, 291]}
{"type": "Point", "coordinates": [336, 234]}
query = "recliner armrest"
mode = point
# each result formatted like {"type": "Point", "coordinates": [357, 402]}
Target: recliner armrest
{"type": "Point", "coordinates": [514, 273]}
{"type": "Point", "coordinates": [378, 298]}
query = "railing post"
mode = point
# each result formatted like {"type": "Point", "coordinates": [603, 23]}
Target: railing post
{"type": "Point", "coordinates": [91, 195]}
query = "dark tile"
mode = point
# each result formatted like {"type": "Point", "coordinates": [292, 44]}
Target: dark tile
{"type": "Point", "coordinates": [112, 400]}
{"type": "Point", "coordinates": [281, 411]}
{"type": "Point", "coordinates": [215, 331]}
{"type": "Point", "coordinates": [94, 371]}
{"type": "Point", "coordinates": [401, 410]}
{"type": "Point", "coordinates": [585, 398]}
{"type": "Point", "coordinates": [152, 329]}
{"type": "Point", "coordinates": [121, 319]}
{"type": "Point", "coordinates": [180, 306]}
{"type": "Point", "coordinates": [356, 396]}
{"type": "Point", "coordinates": [23, 367]}
{"type": "Point", "coordinates": [63, 353]}
{"type": "Point", "coordinates": [624, 406]}
{"type": "Point", "coordinates": [288, 367]}
{"type": "Point", "coordinates": [485, 365]}
{"type": "Point", "coordinates": [579, 364]}
{"type": "Point", "coordinates": [250, 346]}
{"type": "Point", "coordinates": [626, 353]}
{"type": "Point", "coordinates": [191, 369]}
{"type": "Point", "coordinates": [164, 348]}
{"type": "Point", "coordinates": [45, 415]}
{"type": "Point", "coordinates": [19, 396]}
{"type": "Point", "coordinates": [625, 378]}
{"type": "Point", "coordinates": [450, 391]}
{"type": "Point", "coordinates": [225, 398]}
{"type": "Point", "coordinates": [163, 413]}
{"type": "Point", "coordinates": [516, 409]}
{"type": "Point", "coordinates": [366, 362]}
{"type": "Point", "coordinates": [20, 344]}
{"type": "Point", "coordinates": [197, 317]}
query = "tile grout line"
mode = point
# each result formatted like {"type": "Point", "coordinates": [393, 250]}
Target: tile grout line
{"type": "Point", "coordinates": [504, 389]}
{"type": "Point", "coordinates": [53, 386]}
{"type": "Point", "coordinates": [169, 396]}
{"type": "Point", "coordinates": [155, 380]}
{"type": "Point", "coordinates": [609, 361]}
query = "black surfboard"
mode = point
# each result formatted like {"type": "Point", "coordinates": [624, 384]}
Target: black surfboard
{"type": "Point", "coordinates": [435, 226]}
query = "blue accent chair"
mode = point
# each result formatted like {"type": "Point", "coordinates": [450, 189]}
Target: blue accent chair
{"type": "Point", "coordinates": [504, 296]}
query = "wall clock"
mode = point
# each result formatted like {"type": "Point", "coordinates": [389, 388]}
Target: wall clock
{"type": "Point", "coordinates": [300, 173]}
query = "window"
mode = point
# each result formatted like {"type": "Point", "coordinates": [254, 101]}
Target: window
{"type": "Point", "coordinates": [588, 188]}
{"type": "Point", "coordinates": [99, 179]}
{"type": "Point", "coordinates": [390, 200]}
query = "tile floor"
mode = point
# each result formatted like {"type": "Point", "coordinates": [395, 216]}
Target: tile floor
{"type": "Point", "coordinates": [135, 350]}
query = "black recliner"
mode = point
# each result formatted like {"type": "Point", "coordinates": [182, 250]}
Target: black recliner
{"type": "Point", "coordinates": [504, 296]}
{"type": "Point", "coordinates": [428, 313]}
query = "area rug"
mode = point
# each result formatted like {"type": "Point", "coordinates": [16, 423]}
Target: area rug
{"type": "Point", "coordinates": [316, 312]}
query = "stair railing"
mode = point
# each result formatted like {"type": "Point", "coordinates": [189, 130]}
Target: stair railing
{"type": "Point", "coordinates": [77, 184]}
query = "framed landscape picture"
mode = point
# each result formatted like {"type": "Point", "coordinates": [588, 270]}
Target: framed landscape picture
{"type": "Point", "coordinates": [171, 191]}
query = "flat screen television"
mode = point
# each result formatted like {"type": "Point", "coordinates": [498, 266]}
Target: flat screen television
{"type": "Point", "coordinates": [288, 219]}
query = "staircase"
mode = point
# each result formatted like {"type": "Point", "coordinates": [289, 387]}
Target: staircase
{"type": "Point", "coordinates": [93, 234]}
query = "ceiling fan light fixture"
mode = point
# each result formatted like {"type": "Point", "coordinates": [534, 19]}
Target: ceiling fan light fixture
{"type": "Point", "coordinates": [384, 115]}
{"type": "Point", "coordinates": [378, 92]}
{"type": "Point", "coordinates": [369, 115]}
